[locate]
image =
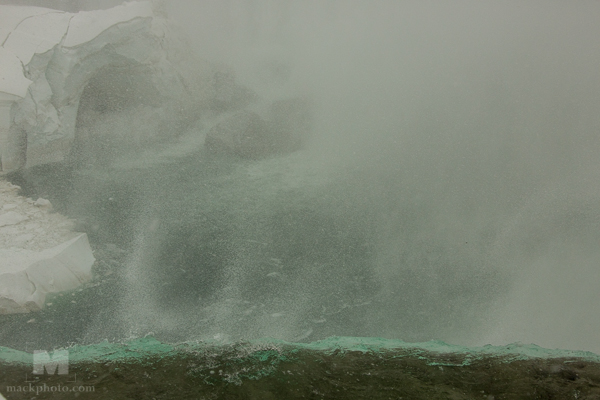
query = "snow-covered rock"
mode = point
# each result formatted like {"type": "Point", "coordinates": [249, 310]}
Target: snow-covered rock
{"type": "Point", "coordinates": [48, 58]}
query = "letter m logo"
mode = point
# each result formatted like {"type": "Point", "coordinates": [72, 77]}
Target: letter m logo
{"type": "Point", "coordinates": [58, 361]}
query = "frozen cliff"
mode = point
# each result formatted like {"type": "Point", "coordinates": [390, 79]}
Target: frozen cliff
{"type": "Point", "coordinates": [60, 74]}
{"type": "Point", "coordinates": [59, 70]}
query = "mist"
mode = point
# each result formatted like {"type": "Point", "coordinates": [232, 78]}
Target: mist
{"type": "Point", "coordinates": [449, 190]}
{"type": "Point", "coordinates": [469, 130]}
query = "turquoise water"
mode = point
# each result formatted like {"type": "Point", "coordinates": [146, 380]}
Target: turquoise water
{"type": "Point", "coordinates": [140, 349]}
{"type": "Point", "coordinates": [194, 246]}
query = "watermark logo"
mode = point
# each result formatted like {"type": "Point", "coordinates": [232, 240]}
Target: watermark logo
{"type": "Point", "coordinates": [43, 388]}
{"type": "Point", "coordinates": [58, 362]}
{"type": "Point", "coordinates": [51, 364]}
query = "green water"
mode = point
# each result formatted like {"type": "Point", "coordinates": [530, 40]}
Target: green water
{"type": "Point", "coordinates": [197, 246]}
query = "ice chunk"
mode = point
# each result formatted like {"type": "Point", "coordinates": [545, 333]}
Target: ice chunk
{"type": "Point", "coordinates": [26, 277]}
{"type": "Point", "coordinates": [11, 218]}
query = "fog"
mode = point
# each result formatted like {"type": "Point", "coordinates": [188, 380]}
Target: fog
{"type": "Point", "coordinates": [450, 189]}
{"type": "Point", "coordinates": [471, 128]}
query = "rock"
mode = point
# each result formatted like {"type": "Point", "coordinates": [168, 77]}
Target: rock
{"type": "Point", "coordinates": [249, 135]}
{"type": "Point", "coordinates": [245, 134]}
{"type": "Point", "coordinates": [11, 218]}
{"type": "Point", "coordinates": [43, 203]}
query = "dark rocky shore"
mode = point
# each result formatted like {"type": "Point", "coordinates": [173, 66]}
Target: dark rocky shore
{"type": "Point", "coordinates": [148, 369]}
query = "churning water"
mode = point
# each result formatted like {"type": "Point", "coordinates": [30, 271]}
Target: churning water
{"type": "Point", "coordinates": [451, 189]}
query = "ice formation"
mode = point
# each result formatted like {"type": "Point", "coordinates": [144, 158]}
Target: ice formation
{"type": "Point", "coordinates": [39, 253]}
{"type": "Point", "coordinates": [48, 59]}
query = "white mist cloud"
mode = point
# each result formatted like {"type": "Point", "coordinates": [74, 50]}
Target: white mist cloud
{"type": "Point", "coordinates": [460, 115]}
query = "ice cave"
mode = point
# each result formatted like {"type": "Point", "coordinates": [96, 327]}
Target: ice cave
{"type": "Point", "coordinates": [279, 199]}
